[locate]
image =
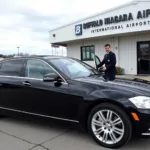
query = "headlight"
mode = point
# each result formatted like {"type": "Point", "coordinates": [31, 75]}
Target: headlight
{"type": "Point", "coordinates": [142, 102]}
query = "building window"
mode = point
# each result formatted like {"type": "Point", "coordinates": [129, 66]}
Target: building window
{"type": "Point", "coordinates": [87, 53]}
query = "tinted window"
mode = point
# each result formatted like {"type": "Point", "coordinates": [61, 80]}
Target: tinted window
{"type": "Point", "coordinates": [37, 69]}
{"type": "Point", "coordinates": [12, 67]}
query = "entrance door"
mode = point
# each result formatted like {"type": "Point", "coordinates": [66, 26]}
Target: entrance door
{"type": "Point", "coordinates": [143, 55]}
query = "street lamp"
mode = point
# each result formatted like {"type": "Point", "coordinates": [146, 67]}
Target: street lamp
{"type": "Point", "coordinates": [18, 50]}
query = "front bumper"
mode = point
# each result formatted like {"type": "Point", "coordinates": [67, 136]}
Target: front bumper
{"type": "Point", "coordinates": [147, 133]}
{"type": "Point", "coordinates": [142, 127]}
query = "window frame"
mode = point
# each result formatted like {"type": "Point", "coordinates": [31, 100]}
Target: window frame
{"type": "Point", "coordinates": [20, 73]}
{"type": "Point", "coordinates": [63, 80]}
{"type": "Point", "coordinates": [91, 59]}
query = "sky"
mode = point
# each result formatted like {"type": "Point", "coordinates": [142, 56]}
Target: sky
{"type": "Point", "coordinates": [25, 23]}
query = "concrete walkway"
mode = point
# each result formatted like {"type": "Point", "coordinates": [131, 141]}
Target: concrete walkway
{"type": "Point", "coordinates": [144, 77]}
{"type": "Point", "coordinates": [140, 77]}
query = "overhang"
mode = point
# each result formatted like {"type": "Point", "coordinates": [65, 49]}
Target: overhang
{"type": "Point", "coordinates": [133, 17]}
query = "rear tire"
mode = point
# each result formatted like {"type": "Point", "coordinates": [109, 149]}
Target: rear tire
{"type": "Point", "coordinates": [109, 125]}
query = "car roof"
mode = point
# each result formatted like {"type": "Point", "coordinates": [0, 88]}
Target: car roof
{"type": "Point", "coordinates": [39, 56]}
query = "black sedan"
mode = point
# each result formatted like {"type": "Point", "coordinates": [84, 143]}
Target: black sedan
{"type": "Point", "coordinates": [70, 90]}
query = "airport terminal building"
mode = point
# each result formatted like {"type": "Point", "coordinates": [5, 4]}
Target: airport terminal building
{"type": "Point", "coordinates": [126, 28]}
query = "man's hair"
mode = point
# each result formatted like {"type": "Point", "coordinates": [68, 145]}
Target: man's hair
{"type": "Point", "coordinates": [107, 45]}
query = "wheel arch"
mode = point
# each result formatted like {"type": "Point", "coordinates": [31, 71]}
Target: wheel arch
{"type": "Point", "coordinates": [101, 101]}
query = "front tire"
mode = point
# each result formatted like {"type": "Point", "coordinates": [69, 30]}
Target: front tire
{"type": "Point", "coordinates": [109, 125]}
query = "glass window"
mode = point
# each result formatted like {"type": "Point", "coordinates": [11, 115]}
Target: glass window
{"type": "Point", "coordinates": [73, 68]}
{"type": "Point", "coordinates": [144, 50]}
{"type": "Point", "coordinates": [83, 53]}
{"type": "Point", "coordinates": [37, 69]}
{"type": "Point", "coordinates": [92, 52]}
{"type": "Point", "coordinates": [12, 67]}
{"type": "Point", "coordinates": [87, 53]}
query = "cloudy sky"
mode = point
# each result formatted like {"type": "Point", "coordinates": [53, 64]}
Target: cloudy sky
{"type": "Point", "coordinates": [25, 23]}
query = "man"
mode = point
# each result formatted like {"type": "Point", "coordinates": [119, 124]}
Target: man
{"type": "Point", "coordinates": [110, 63]}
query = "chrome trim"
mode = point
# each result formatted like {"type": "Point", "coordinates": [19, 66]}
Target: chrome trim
{"type": "Point", "coordinates": [27, 78]}
{"type": "Point", "coordinates": [50, 117]}
{"type": "Point", "coordinates": [10, 109]}
{"type": "Point", "coordinates": [147, 134]}
{"type": "Point", "coordinates": [20, 77]}
{"type": "Point", "coordinates": [40, 115]}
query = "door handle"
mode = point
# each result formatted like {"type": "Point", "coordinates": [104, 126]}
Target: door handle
{"type": "Point", "coordinates": [25, 83]}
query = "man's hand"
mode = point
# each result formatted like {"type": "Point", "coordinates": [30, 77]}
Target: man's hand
{"type": "Point", "coordinates": [104, 69]}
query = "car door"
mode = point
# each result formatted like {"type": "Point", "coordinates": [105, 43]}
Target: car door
{"type": "Point", "coordinates": [43, 98]}
{"type": "Point", "coordinates": [10, 84]}
{"type": "Point", "coordinates": [97, 61]}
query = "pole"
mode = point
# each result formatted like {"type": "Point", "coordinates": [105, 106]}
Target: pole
{"type": "Point", "coordinates": [62, 51]}
{"type": "Point", "coordinates": [18, 50]}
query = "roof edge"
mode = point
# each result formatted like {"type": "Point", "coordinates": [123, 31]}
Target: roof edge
{"type": "Point", "coordinates": [133, 2]}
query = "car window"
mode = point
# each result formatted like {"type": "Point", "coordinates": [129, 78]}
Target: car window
{"type": "Point", "coordinates": [37, 69]}
{"type": "Point", "coordinates": [93, 70]}
{"type": "Point", "coordinates": [12, 67]}
{"type": "Point", "coordinates": [72, 68]}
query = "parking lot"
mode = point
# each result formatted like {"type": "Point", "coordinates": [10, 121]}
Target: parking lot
{"type": "Point", "coordinates": [19, 134]}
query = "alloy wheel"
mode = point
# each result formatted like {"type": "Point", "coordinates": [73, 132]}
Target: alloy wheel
{"type": "Point", "coordinates": [107, 126]}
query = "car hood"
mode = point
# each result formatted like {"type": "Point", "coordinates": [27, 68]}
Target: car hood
{"type": "Point", "coordinates": [136, 85]}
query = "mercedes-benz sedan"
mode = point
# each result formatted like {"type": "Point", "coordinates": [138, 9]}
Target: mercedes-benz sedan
{"type": "Point", "coordinates": [70, 90]}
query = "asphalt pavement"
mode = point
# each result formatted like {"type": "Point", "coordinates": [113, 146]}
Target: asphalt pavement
{"type": "Point", "coordinates": [19, 134]}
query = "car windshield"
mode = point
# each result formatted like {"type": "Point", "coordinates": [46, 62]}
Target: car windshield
{"type": "Point", "coordinates": [73, 68]}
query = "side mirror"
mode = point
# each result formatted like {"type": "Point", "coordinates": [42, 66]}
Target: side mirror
{"type": "Point", "coordinates": [51, 77]}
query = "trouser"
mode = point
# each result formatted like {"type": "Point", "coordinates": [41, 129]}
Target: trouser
{"type": "Point", "coordinates": [109, 76]}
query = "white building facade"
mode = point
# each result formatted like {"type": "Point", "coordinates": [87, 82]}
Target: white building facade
{"type": "Point", "coordinates": [125, 28]}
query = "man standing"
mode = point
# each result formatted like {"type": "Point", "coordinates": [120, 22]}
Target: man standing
{"type": "Point", "coordinates": [110, 63]}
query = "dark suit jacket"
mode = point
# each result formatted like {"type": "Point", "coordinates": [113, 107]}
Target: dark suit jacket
{"type": "Point", "coordinates": [110, 63]}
